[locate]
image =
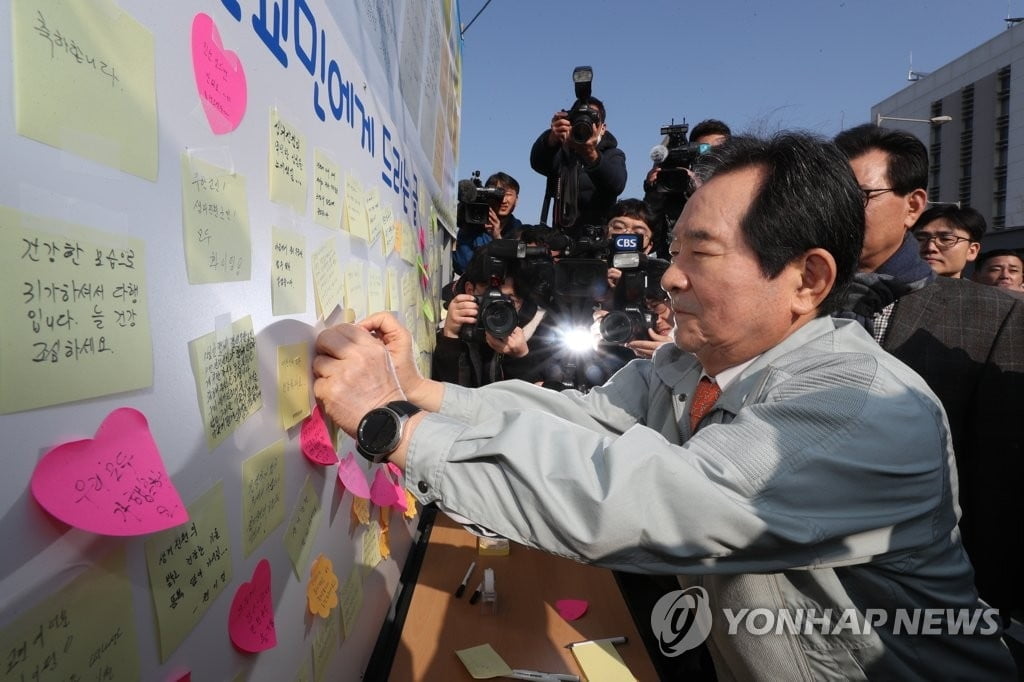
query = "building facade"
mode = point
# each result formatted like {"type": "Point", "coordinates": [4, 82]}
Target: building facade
{"type": "Point", "coordinates": [977, 159]}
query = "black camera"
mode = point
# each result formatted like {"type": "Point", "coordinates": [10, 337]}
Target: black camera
{"type": "Point", "coordinates": [475, 200]}
{"type": "Point", "coordinates": [674, 156]}
{"type": "Point", "coordinates": [496, 316]}
{"type": "Point", "coordinates": [630, 317]}
{"type": "Point", "coordinates": [582, 116]}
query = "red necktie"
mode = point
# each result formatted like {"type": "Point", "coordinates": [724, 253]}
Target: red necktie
{"type": "Point", "coordinates": [704, 399]}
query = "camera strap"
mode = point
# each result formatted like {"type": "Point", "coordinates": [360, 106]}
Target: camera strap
{"type": "Point", "coordinates": [567, 205]}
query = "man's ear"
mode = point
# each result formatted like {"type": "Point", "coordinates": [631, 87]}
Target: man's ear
{"type": "Point", "coordinates": [972, 251]}
{"type": "Point", "coordinates": [917, 202]}
{"type": "Point", "coordinates": [814, 275]}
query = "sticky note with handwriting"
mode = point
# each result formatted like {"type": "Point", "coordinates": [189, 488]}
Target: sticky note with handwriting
{"type": "Point", "coordinates": [262, 495]}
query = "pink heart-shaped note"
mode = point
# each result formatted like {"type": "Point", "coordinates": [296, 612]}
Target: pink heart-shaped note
{"type": "Point", "coordinates": [352, 478]}
{"type": "Point", "coordinates": [251, 620]}
{"type": "Point", "coordinates": [112, 484]}
{"type": "Point", "coordinates": [220, 78]}
{"type": "Point", "coordinates": [571, 609]}
{"type": "Point", "coordinates": [383, 491]}
{"type": "Point", "coordinates": [315, 440]}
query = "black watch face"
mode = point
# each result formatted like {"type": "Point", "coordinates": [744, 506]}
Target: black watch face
{"type": "Point", "coordinates": [378, 431]}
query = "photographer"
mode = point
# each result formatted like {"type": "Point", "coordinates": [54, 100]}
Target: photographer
{"type": "Point", "coordinates": [586, 173]}
{"type": "Point", "coordinates": [666, 196]}
{"type": "Point", "coordinates": [467, 352]}
{"type": "Point", "coordinates": [499, 223]}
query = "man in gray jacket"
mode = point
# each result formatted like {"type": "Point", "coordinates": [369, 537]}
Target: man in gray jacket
{"type": "Point", "coordinates": [790, 472]}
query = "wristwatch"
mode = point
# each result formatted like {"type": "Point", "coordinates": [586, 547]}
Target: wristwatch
{"type": "Point", "coordinates": [380, 430]}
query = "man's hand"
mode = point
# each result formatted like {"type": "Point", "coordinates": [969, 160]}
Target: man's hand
{"type": "Point", "coordinates": [645, 348]}
{"type": "Point", "coordinates": [397, 341]}
{"type": "Point", "coordinates": [614, 275]}
{"type": "Point", "coordinates": [353, 374]}
{"type": "Point", "coordinates": [493, 226]}
{"type": "Point", "coordinates": [587, 151]}
{"type": "Point", "coordinates": [462, 310]}
{"type": "Point", "coordinates": [560, 129]}
{"type": "Point", "coordinates": [513, 346]}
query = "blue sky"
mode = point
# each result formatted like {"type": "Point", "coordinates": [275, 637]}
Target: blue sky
{"type": "Point", "coordinates": [817, 65]}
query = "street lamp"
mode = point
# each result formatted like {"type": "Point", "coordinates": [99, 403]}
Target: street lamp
{"type": "Point", "coordinates": [934, 120]}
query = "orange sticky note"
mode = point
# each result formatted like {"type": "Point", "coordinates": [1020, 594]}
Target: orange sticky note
{"type": "Point", "coordinates": [322, 590]}
{"type": "Point", "coordinates": [361, 510]}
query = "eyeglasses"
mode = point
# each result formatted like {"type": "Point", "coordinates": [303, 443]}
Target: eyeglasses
{"type": "Point", "coordinates": [943, 240]}
{"type": "Point", "coordinates": [871, 193]}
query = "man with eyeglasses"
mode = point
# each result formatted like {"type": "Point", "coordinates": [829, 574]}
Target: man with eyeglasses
{"type": "Point", "coordinates": [949, 237]}
{"type": "Point", "coordinates": [965, 340]}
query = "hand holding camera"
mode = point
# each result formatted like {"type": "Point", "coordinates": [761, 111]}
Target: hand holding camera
{"type": "Point", "coordinates": [463, 309]}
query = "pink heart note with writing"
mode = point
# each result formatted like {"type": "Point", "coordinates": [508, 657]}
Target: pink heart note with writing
{"type": "Point", "coordinates": [220, 78]}
{"type": "Point", "coordinates": [112, 484]}
{"type": "Point", "coordinates": [251, 619]}
{"type": "Point", "coordinates": [383, 491]}
{"type": "Point", "coordinates": [315, 440]}
{"type": "Point", "coordinates": [571, 609]}
{"type": "Point", "coordinates": [352, 478]}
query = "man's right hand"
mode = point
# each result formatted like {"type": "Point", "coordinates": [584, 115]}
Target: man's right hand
{"type": "Point", "coordinates": [462, 310]}
{"type": "Point", "coordinates": [397, 341]}
{"type": "Point", "coordinates": [560, 129]}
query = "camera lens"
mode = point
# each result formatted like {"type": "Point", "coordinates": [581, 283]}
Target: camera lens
{"type": "Point", "coordinates": [499, 319]}
{"type": "Point", "coordinates": [620, 326]}
{"type": "Point", "coordinates": [582, 130]}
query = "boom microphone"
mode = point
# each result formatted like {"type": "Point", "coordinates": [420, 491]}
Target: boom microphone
{"type": "Point", "coordinates": [659, 153]}
{"type": "Point", "coordinates": [467, 191]}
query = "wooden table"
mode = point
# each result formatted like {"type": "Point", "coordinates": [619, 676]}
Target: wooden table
{"type": "Point", "coordinates": [526, 631]}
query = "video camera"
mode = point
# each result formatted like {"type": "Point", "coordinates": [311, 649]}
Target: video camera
{"type": "Point", "coordinates": [630, 317]}
{"type": "Point", "coordinates": [582, 116]}
{"type": "Point", "coordinates": [497, 313]}
{"type": "Point", "coordinates": [475, 200]}
{"type": "Point", "coordinates": [674, 156]}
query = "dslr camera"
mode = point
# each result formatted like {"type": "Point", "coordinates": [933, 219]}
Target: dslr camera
{"type": "Point", "coordinates": [630, 318]}
{"type": "Point", "coordinates": [673, 156]}
{"type": "Point", "coordinates": [497, 313]}
{"type": "Point", "coordinates": [582, 116]}
{"type": "Point", "coordinates": [475, 200]}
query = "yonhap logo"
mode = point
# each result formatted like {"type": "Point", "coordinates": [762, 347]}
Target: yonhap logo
{"type": "Point", "coordinates": [681, 620]}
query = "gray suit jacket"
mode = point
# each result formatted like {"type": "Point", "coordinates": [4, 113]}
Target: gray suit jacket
{"type": "Point", "coordinates": [967, 341]}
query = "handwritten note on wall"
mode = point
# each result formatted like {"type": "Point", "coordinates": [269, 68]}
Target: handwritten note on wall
{"type": "Point", "coordinates": [287, 164]}
{"type": "Point", "coordinates": [220, 78]}
{"type": "Point", "coordinates": [302, 527]}
{"type": "Point", "coordinates": [326, 191]}
{"type": "Point", "coordinates": [287, 271]}
{"type": "Point", "coordinates": [215, 220]}
{"type": "Point", "coordinates": [227, 382]}
{"type": "Point", "coordinates": [189, 567]}
{"type": "Point", "coordinates": [85, 631]}
{"type": "Point", "coordinates": [355, 291]}
{"type": "Point", "coordinates": [75, 315]}
{"type": "Point", "coordinates": [262, 495]}
{"type": "Point", "coordinates": [326, 639]}
{"type": "Point", "coordinates": [328, 285]}
{"type": "Point", "coordinates": [373, 214]}
{"type": "Point", "coordinates": [84, 81]}
{"type": "Point", "coordinates": [355, 209]}
{"type": "Point", "coordinates": [293, 374]}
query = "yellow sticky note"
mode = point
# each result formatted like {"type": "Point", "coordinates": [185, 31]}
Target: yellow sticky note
{"type": "Point", "coordinates": [84, 81]}
{"type": "Point", "coordinates": [373, 215]}
{"type": "Point", "coordinates": [189, 566]}
{"type": "Point", "coordinates": [326, 190]}
{"type": "Point", "coordinates": [227, 381]}
{"type": "Point", "coordinates": [361, 510]}
{"type": "Point", "coordinates": [393, 290]}
{"type": "Point", "coordinates": [355, 209]}
{"type": "Point", "coordinates": [302, 527]}
{"type": "Point", "coordinates": [262, 495]}
{"type": "Point", "coordinates": [325, 642]}
{"type": "Point", "coordinates": [87, 625]}
{"type": "Point", "coordinates": [322, 589]}
{"type": "Point", "coordinates": [385, 529]}
{"type": "Point", "coordinates": [407, 243]}
{"type": "Point", "coordinates": [375, 290]}
{"type": "Point", "coordinates": [351, 600]}
{"type": "Point", "coordinates": [287, 271]}
{"type": "Point", "coordinates": [215, 222]}
{"type": "Point", "coordinates": [355, 292]}
{"type": "Point", "coordinates": [74, 306]}
{"type": "Point", "coordinates": [371, 546]}
{"type": "Point", "coordinates": [483, 662]}
{"type": "Point", "coordinates": [327, 279]}
{"type": "Point", "coordinates": [399, 237]}
{"type": "Point", "coordinates": [389, 230]}
{"type": "Point", "coordinates": [293, 365]}
{"type": "Point", "coordinates": [287, 164]}
{"type": "Point", "coordinates": [600, 662]}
